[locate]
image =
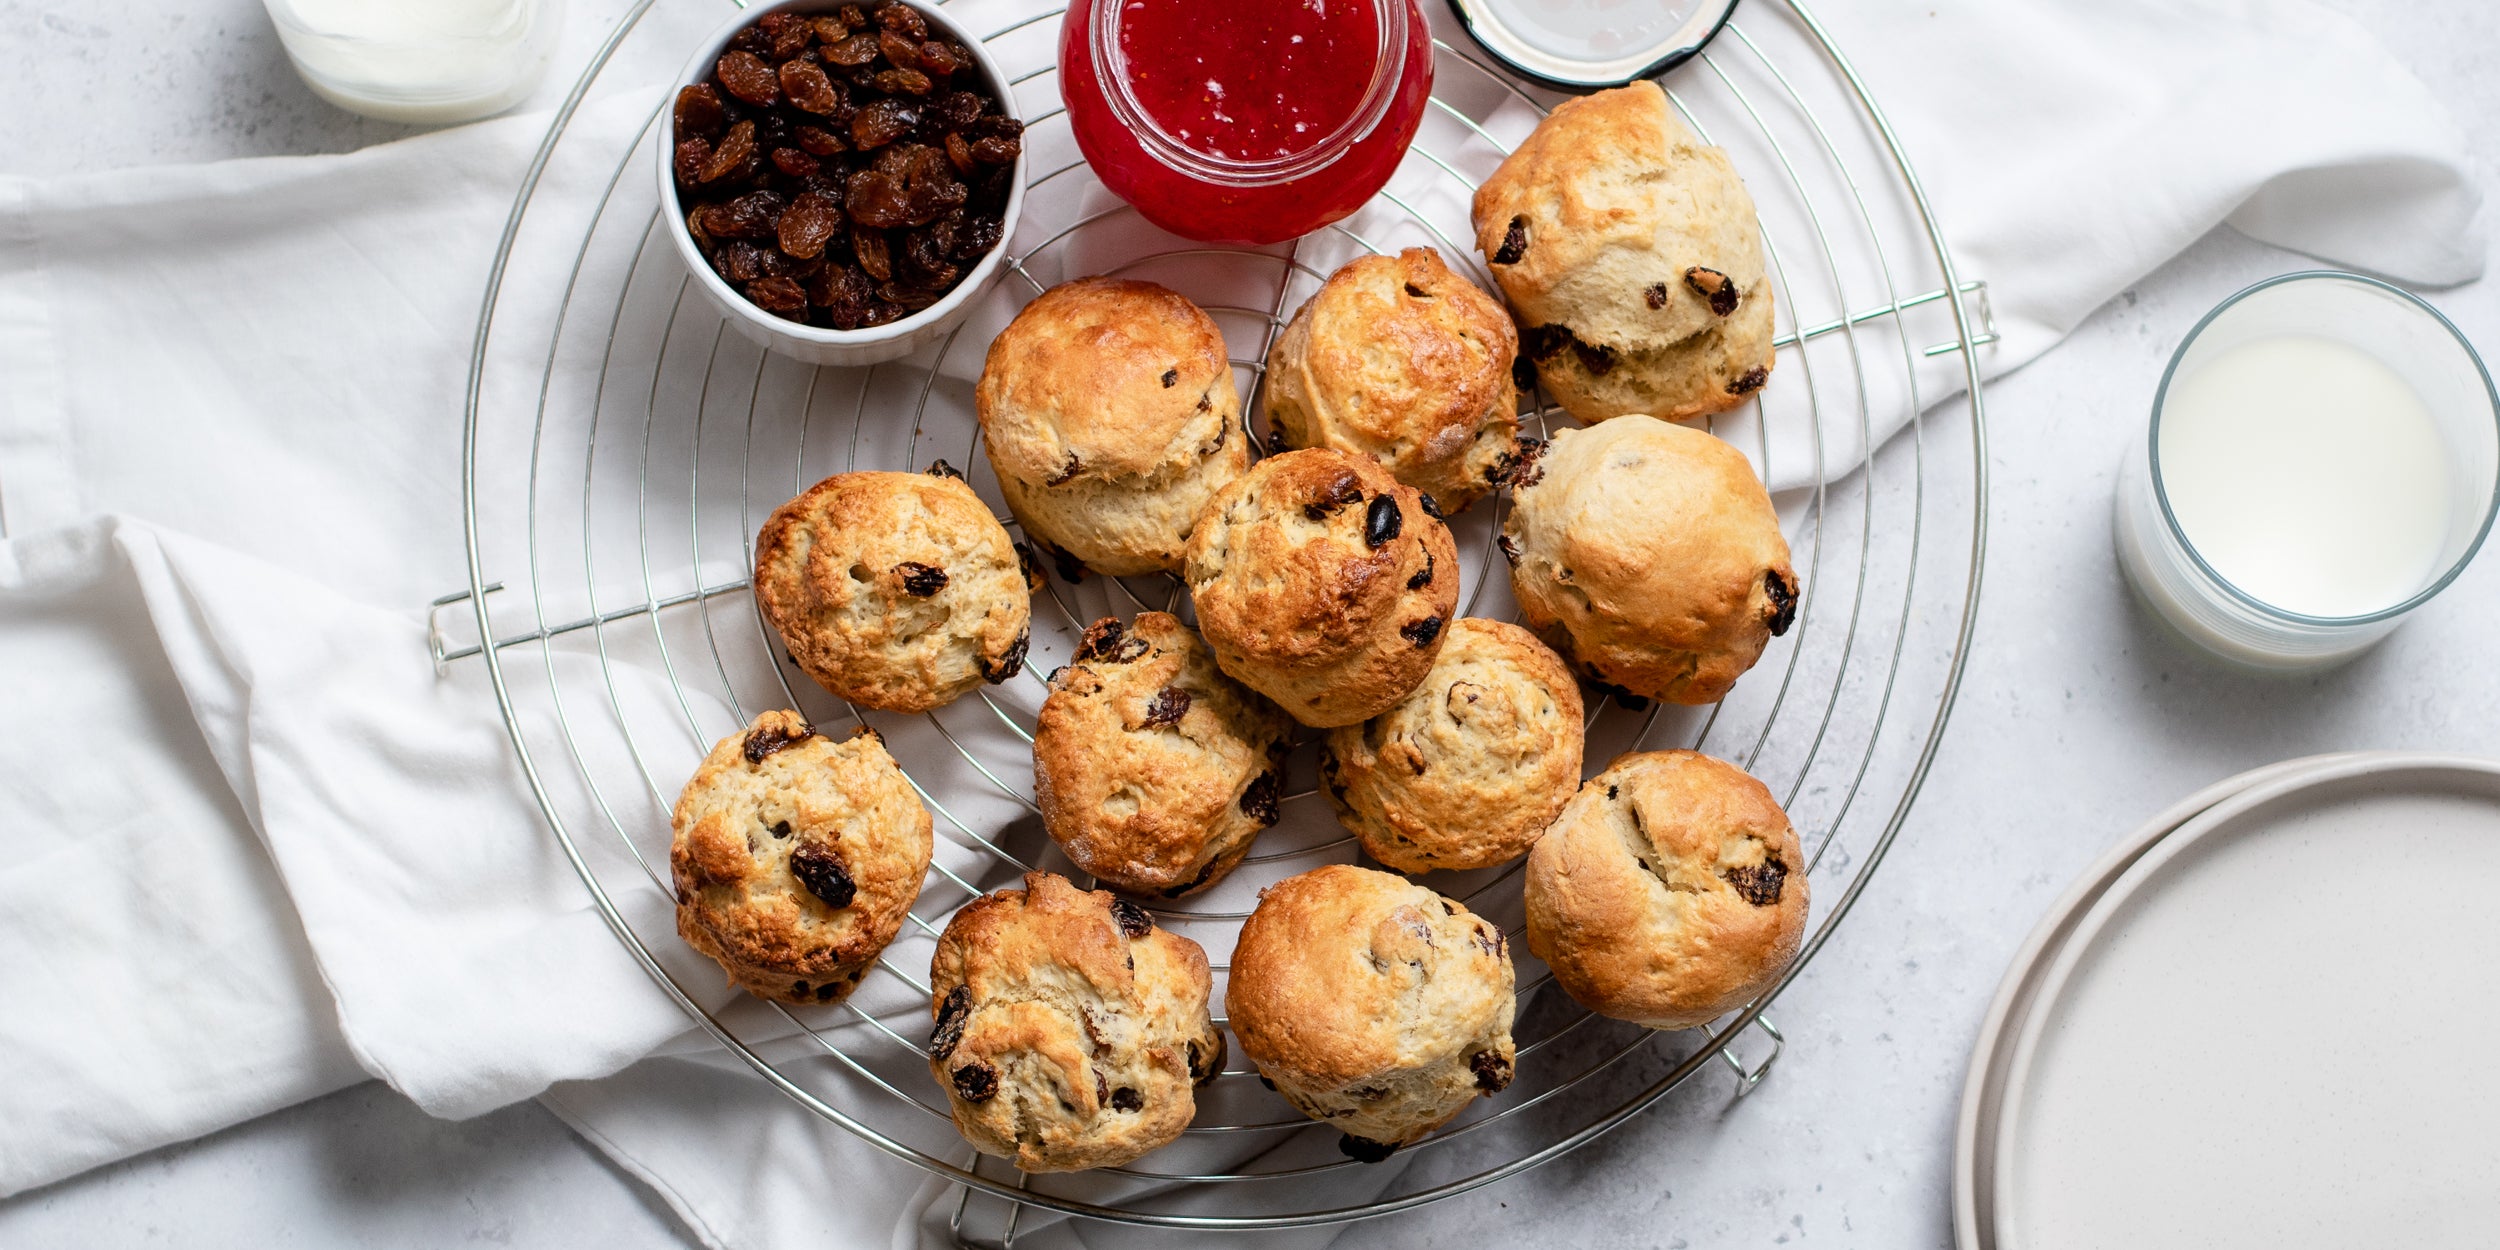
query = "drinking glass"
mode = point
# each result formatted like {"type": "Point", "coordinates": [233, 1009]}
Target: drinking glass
{"type": "Point", "coordinates": [2408, 336]}
{"type": "Point", "coordinates": [422, 61]}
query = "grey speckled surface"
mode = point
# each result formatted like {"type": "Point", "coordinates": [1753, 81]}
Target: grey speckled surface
{"type": "Point", "coordinates": [2077, 721]}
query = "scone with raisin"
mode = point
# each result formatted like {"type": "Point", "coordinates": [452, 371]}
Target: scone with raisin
{"type": "Point", "coordinates": [1649, 555]}
{"type": "Point", "coordinates": [1670, 892]}
{"type": "Point", "coordinates": [1399, 359]}
{"type": "Point", "coordinates": [1323, 583]}
{"type": "Point", "coordinates": [1469, 768]}
{"type": "Point", "coordinates": [795, 858]}
{"type": "Point", "coordinates": [1070, 1032]}
{"type": "Point", "coordinates": [896, 591]}
{"type": "Point", "coordinates": [1153, 770]}
{"type": "Point", "coordinates": [1630, 252]}
{"type": "Point", "coordinates": [1107, 408]}
{"type": "Point", "coordinates": [1372, 1004]}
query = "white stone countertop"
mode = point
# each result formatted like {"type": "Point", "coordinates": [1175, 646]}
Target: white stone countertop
{"type": "Point", "coordinates": [2077, 720]}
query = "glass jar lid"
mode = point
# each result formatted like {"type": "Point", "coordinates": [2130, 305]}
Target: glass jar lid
{"type": "Point", "coordinates": [1584, 45]}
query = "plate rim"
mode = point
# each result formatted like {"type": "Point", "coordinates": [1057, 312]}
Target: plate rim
{"type": "Point", "coordinates": [2145, 869]}
{"type": "Point", "coordinates": [2009, 1008]}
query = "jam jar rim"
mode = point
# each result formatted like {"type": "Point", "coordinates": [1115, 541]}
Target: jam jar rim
{"type": "Point", "coordinates": [1393, 25]}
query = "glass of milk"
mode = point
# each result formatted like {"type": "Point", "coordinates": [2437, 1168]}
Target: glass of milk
{"type": "Point", "coordinates": [2324, 456]}
{"type": "Point", "coordinates": [423, 61]}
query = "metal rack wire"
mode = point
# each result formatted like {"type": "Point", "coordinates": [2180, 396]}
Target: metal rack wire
{"type": "Point", "coordinates": [621, 449]}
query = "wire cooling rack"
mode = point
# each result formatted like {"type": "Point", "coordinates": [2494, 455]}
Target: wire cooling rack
{"type": "Point", "coordinates": [623, 445]}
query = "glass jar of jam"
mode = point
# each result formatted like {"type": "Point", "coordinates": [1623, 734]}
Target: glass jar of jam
{"type": "Point", "coordinates": [1245, 121]}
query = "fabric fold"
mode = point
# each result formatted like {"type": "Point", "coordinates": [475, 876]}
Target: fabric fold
{"type": "Point", "coordinates": [469, 969]}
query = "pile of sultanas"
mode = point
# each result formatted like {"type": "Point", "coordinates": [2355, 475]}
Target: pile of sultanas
{"type": "Point", "coordinates": [844, 168]}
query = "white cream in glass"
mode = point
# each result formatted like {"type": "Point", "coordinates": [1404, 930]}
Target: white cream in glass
{"type": "Point", "coordinates": [2324, 456]}
{"type": "Point", "coordinates": [421, 61]}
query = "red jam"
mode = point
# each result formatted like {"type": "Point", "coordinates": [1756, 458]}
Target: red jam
{"type": "Point", "coordinates": [1245, 121]}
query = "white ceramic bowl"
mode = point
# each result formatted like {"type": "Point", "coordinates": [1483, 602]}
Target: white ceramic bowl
{"type": "Point", "coordinates": [815, 344]}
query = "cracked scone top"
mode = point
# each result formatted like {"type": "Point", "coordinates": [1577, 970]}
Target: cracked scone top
{"type": "Point", "coordinates": [1154, 771]}
{"type": "Point", "coordinates": [1069, 1031]}
{"type": "Point", "coordinates": [1322, 583]}
{"type": "Point", "coordinates": [1107, 410]}
{"type": "Point", "coordinates": [1649, 555]}
{"type": "Point", "coordinates": [1399, 359]}
{"type": "Point", "coordinates": [1669, 892]}
{"type": "Point", "coordinates": [795, 857]}
{"type": "Point", "coordinates": [1467, 769]}
{"type": "Point", "coordinates": [896, 591]}
{"type": "Point", "coordinates": [1372, 1004]}
{"type": "Point", "coordinates": [1630, 252]}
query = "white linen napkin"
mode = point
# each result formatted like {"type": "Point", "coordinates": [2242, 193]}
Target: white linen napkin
{"type": "Point", "coordinates": [229, 422]}
{"type": "Point", "coordinates": [254, 845]}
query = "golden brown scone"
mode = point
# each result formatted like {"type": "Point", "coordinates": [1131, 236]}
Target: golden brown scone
{"type": "Point", "coordinates": [1154, 771]}
{"type": "Point", "coordinates": [896, 591]}
{"type": "Point", "coordinates": [1070, 1031]}
{"type": "Point", "coordinates": [1322, 583]}
{"type": "Point", "coordinates": [1107, 408]}
{"type": "Point", "coordinates": [1372, 1004]}
{"type": "Point", "coordinates": [1468, 769]}
{"type": "Point", "coordinates": [1630, 252]}
{"type": "Point", "coordinates": [1399, 359]}
{"type": "Point", "coordinates": [1648, 554]}
{"type": "Point", "coordinates": [1670, 892]}
{"type": "Point", "coordinates": [795, 858]}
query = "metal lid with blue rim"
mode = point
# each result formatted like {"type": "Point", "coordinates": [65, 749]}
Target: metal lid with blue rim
{"type": "Point", "coordinates": [1585, 45]}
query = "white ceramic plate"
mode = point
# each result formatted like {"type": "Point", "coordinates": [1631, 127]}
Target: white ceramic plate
{"type": "Point", "coordinates": [1974, 1136]}
{"type": "Point", "coordinates": [2274, 1027]}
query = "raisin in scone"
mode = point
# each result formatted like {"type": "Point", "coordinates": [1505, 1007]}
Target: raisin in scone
{"type": "Point", "coordinates": [1323, 583]}
{"type": "Point", "coordinates": [1070, 1032]}
{"type": "Point", "coordinates": [896, 591]}
{"type": "Point", "coordinates": [1630, 253]}
{"type": "Point", "coordinates": [1649, 555]}
{"type": "Point", "coordinates": [1372, 1004]}
{"type": "Point", "coordinates": [1469, 768]}
{"type": "Point", "coordinates": [1107, 409]}
{"type": "Point", "coordinates": [1154, 771]}
{"type": "Point", "coordinates": [1670, 892]}
{"type": "Point", "coordinates": [1399, 359]}
{"type": "Point", "coordinates": [795, 857]}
